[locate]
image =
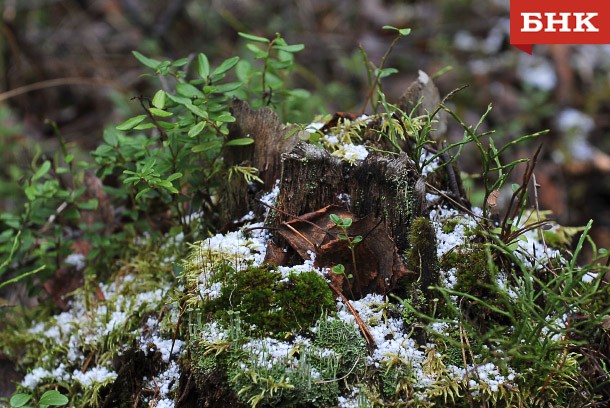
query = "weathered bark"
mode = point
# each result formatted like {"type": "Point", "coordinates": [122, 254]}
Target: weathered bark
{"type": "Point", "coordinates": [382, 187]}
{"type": "Point", "coordinates": [271, 139]}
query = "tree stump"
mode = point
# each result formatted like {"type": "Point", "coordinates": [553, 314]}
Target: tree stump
{"type": "Point", "coordinates": [382, 194]}
{"type": "Point", "coordinates": [380, 186]}
{"type": "Point", "coordinates": [272, 138]}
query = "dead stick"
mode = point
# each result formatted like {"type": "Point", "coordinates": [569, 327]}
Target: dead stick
{"type": "Point", "coordinates": [365, 330]}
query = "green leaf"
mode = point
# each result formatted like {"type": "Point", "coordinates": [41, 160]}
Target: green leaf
{"type": "Point", "coordinates": [335, 219]}
{"type": "Point", "coordinates": [225, 66]}
{"type": "Point", "coordinates": [189, 91]}
{"type": "Point", "coordinates": [254, 38]}
{"type": "Point", "coordinates": [159, 99]}
{"type": "Point", "coordinates": [228, 87]}
{"type": "Point", "coordinates": [30, 193]}
{"type": "Point", "coordinates": [258, 53]}
{"type": "Point", "coordinates": [53, 397]}
{"type": "Point", "coordinates": [225, 118]}
{"type": "Point", "coordinates": [339, 269]}
{"type": "Point", "coordinates": [180, 62]}
{"type": "Point", "coordinates": [160, 112]}
{"type": "Point", "coordinates": [198, 128]}
{"type": "Point", "coordinates": [204, 147]}
{"type": "Point", "coordinates": [174, 176]}
{"type": "Point", "coordinates": [243, 141]}
{"type": "Point", "coordinates": [386, 72]}
{"type": "Point", "coordinates": [403, 32]}
{"type": "Point", "coordinates": [143, 191]}
{"type": "Point", "coordinates": [111, 137]}
{"type": "Point", "coordinates": [19, 400]}
{"type": "Point", "coordinates": [71, 213]}
{"type": "Point", "coordinates": [88, 205]}
{"type": "Point", "coordinates": [179, 99]}
{"type": "Point", "coordinates": [131, 123]}
{"type": "Point", "coordinates": [343, 237]}
{"type": "Point", "coordinates": [243, 70]}
{"type": "Point", "coordinates": [42, 170]}
{"type": "Point", "coordinates": [347, 222]}
{"type": "Point", "coordinates": [144, 126]}
{"type": "Point", "coordinates": [203, 65]}
{"type": "Point", "coordinates": [290, 48]}
{"type": "Point", "coordinates": [357, 239]}
{"type": "Point", "coordinates": [197, 110]}
{"type": "Point", "coordinates": [149, 62]}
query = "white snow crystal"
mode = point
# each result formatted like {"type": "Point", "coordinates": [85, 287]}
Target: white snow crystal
{"type": "Point", "coordinates": [93, 376]}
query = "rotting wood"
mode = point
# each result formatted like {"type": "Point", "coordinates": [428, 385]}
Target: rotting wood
{"type": "Point", "coordinates": [271, 139]}
{"type": "Point", "coordinates": [380, 186]}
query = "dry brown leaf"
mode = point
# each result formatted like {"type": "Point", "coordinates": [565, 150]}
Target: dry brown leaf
{"type": "Point", "coordinates": [378, 266]}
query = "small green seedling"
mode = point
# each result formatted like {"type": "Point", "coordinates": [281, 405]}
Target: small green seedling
{"type": "Point", "coordinates": [344, 224]}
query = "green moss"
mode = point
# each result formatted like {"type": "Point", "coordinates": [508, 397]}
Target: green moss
{"type": "Point", "coordinates": [346, 342]}
{"type": "Point", "coordinates": [275, 306]}
{"type": "Point", "coordinates": [421, 257]}
{"type": "Point", "coordinates": [283, 384]}
{"type": "Point", "coordinates": [415, 299]}
{"type": "Point", "coordinates": [202, 364]}
{"type": "Point", "coordinates": [449, 226]}
{"type": "Point", "coordinates": [389, 382]}
{"type": "Point", "coordinates": [472, 272]}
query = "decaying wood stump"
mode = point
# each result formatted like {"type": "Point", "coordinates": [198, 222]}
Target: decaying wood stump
{"type": "Point", "coordinates": [380, 186]}
{"type": "Point", "coordinates": [272, 138]}
{"type": "Point", "coordinates": [382, 194]}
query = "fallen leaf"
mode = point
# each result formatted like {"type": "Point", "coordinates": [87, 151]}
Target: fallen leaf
{"type": "Point", "coordinates": [377, 267]}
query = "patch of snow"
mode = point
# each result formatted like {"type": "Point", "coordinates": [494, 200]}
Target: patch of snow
{"type": "Point", "coordinates": [96, 375]}
{"type": "Point", "coordinates": [77, 260]}
{"type": "Point", "coordinates": [536, 71]}
{"type": "Point", "coordinates": [576, 125]}
{"type": "Point", "coordinates": [33, 378]}
{"type": "Point", "coordinates": [314, 127]}
{"type": "Point", "coordinates": [166, 381]}
{"type": "Point", "coordinates": [431, 166]}
{"type": "Point", "coordinates": [345, 199]}
{"type": "Point", "coordinates": [571, 120]}
{"type": "Point", "coordinates": [447, 241]}
{"type": "Point", "coordinates": [210, 292]}
{"type": "Point", "coordinates": [589, 277]}
{"type": "Point", "coordinates": [270, 198]}
{"type": "Point", "coordinates": [422, 77]}
{"type": "Point", "coordinates": [331, 140]}
{"type": "Point", "coordinates": [351, 152]}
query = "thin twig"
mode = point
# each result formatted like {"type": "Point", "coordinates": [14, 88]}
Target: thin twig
{"type": "Point", "coordinates": [51, 83]}
{"type": "Point", "coordinates": [290, 227]}
{"type": "Point", "coordinates": [365, 330]}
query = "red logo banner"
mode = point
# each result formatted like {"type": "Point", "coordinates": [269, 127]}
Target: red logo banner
{"type": "Point", "coordinates": [559, 22]}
